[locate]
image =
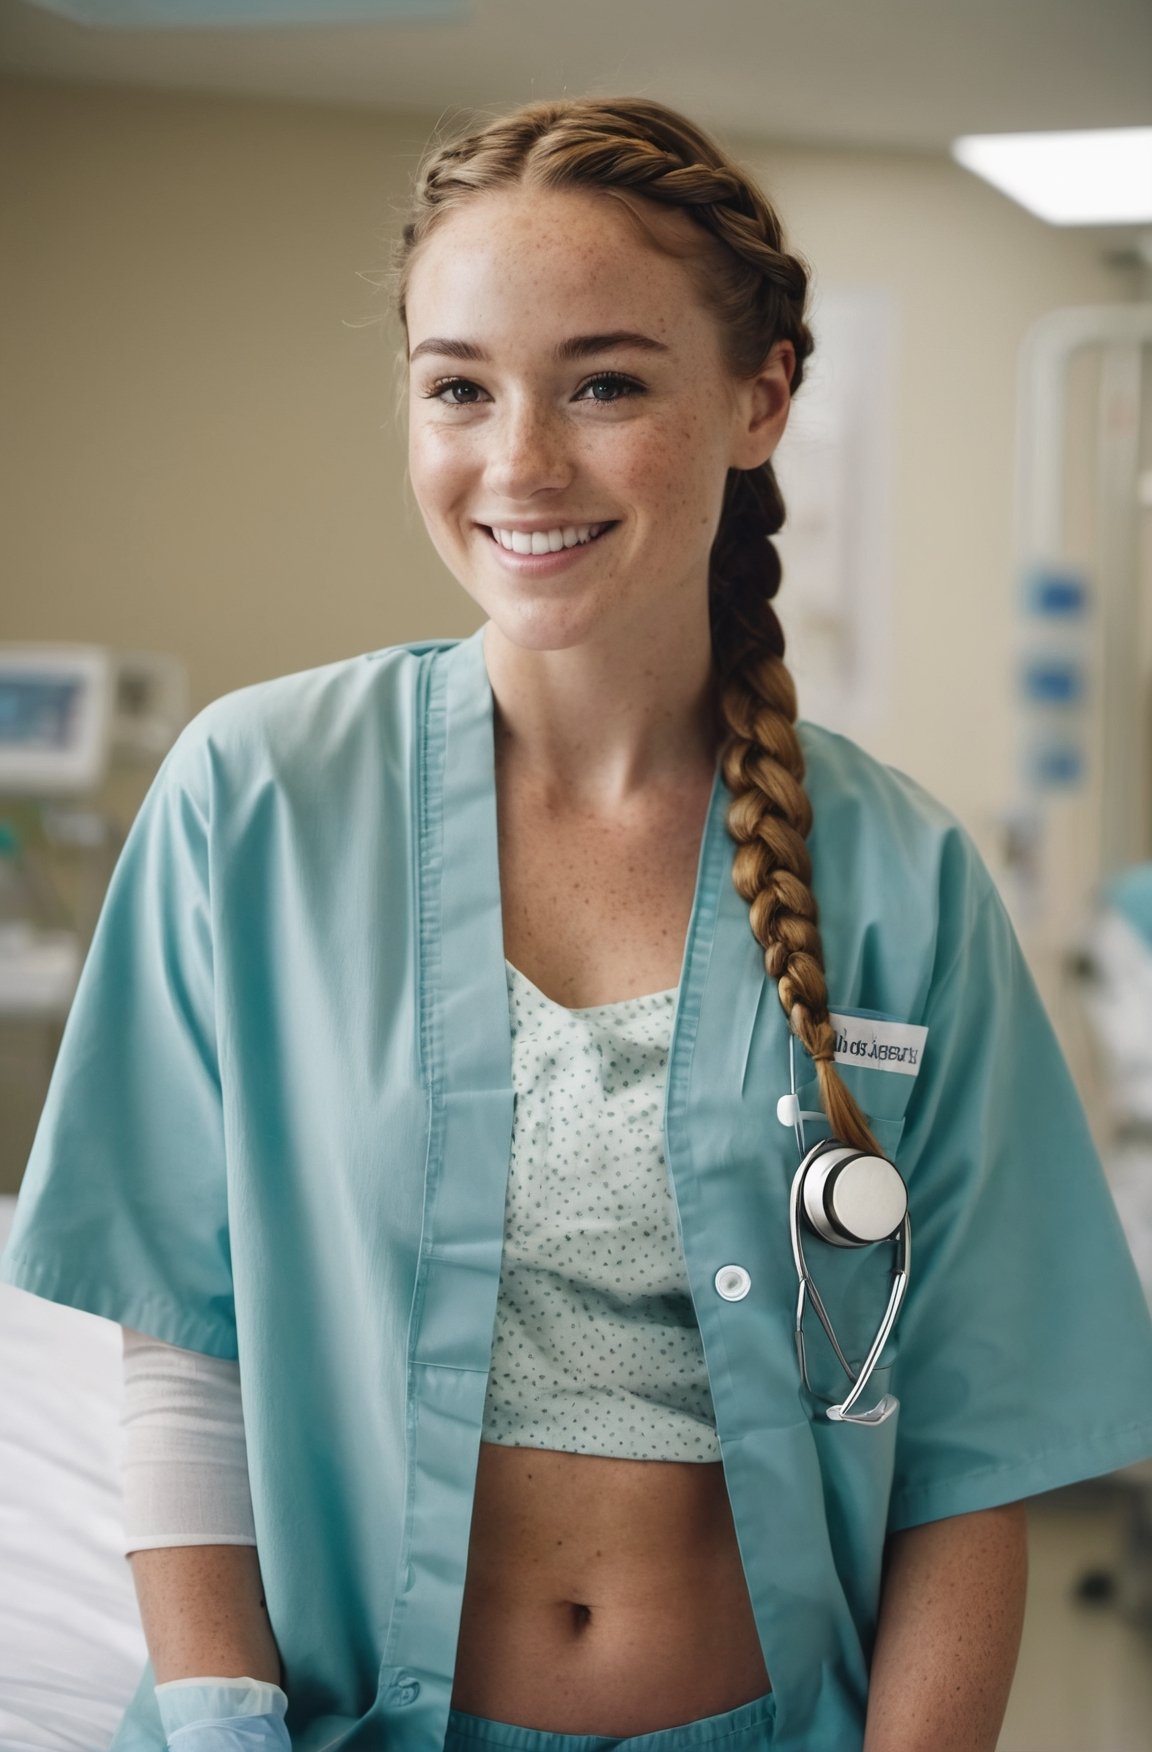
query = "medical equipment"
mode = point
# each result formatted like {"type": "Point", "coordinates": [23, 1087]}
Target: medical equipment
{"type": "Point", "coordinates": [68, 714]}
{"type": "Point", "coordinates": [848, 1198]}
{"type": "Point", "coordinates": [1114, 972]}
{"type": "Point", "coordinates": [39, 951]}
{"type": "Point", "coordinates": [1082, 682]}
{"type": "Point", "coordinates": [72, 717]}
{"type": "Point", "coordinates": [66, 711]}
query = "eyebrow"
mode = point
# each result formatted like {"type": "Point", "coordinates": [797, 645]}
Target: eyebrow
{"type": "Point", "coordinates": [576, 347]}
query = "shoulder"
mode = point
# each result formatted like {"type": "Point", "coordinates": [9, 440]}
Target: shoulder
{"type": "Point", "coordinates": [309, 723]}
{"type": "Point", "coordinates": [848, 784]}
{"type": "Point", "coordinates": [888, 857]}
{"type": "Point", "coordinates": [867, 808]}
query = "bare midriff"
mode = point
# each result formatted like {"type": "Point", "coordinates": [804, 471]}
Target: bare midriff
{"type": "Point", "coordinates": [603, 1596]}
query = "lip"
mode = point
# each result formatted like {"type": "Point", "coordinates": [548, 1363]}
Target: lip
{"type": "Point", "coordinates": [543, 565]}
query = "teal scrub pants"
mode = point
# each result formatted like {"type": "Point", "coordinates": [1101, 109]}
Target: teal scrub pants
{"type": "Point", "coordinates": [745, 1729]}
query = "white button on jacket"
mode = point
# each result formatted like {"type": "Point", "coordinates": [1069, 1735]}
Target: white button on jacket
{"type": "Point", "coordinates": [279, 1128]}
{"type": "Point", "coordinates": [732, 1282]}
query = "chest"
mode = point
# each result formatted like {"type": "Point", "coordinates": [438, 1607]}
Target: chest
{"type": "Point", "coordinates": [596, 907]}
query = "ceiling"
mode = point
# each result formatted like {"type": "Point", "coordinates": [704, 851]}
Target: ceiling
{"type": "Point", "coordinates": [905, 75]}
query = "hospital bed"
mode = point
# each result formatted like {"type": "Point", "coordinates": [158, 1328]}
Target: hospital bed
{"type": "Point", "coordinates": [71, 1644]}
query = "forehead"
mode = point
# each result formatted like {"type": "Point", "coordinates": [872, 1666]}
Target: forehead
{"type": "Point", "coordinates": [520, 262]}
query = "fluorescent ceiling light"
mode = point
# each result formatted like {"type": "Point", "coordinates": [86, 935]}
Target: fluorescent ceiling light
{"type": "Point", "coordinates": [1098, 176]}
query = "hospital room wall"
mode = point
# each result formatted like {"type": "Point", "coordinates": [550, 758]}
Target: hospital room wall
{"type": "Point", "coordinates": [199, 455]}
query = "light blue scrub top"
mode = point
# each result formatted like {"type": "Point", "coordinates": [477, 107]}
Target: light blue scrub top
{"type": "Point", "coordinates": [280, 1124]}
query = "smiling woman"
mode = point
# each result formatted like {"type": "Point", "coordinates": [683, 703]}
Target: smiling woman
{"type": "Point", "coordinates": [487, 1049]}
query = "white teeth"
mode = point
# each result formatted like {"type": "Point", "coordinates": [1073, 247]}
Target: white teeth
{"type": "Point", "coordinates": [546, 541]}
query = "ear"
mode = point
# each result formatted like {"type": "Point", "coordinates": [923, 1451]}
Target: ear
{"type": "Point", "coordinates": [761, 405]}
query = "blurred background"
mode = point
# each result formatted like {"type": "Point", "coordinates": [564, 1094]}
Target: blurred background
{"type": "Point", "coordinates": [204, 485]}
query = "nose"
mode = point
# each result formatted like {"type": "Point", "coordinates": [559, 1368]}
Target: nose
{"type": "Point", "coordinates": [529, 451]}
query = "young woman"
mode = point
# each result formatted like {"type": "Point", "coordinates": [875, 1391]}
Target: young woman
{"type": "Point", "coordinates": [450, 1060]}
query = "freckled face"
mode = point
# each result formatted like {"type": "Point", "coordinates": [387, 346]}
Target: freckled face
{"type": "Point", "coordinates": [638, 437]}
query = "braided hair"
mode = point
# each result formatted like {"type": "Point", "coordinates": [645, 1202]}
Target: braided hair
{"type": "Point", "coordinates": [664, 170]}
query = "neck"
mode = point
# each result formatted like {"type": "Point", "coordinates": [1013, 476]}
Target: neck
{"type": "Point", "coordinates": [588, 733]}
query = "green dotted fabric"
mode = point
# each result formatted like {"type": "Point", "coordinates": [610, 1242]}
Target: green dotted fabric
{"type": "Point", "coordinates": [596, 1348]}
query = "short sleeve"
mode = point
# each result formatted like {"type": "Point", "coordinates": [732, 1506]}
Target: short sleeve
{"type": "Point", "coordinates": [123, 1208]}
{"type": "Point", "coordinates": [1024, 1358]}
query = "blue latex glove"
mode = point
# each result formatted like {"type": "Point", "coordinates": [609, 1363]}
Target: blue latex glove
{"type": "Point", "coordinates": [223, 1715]}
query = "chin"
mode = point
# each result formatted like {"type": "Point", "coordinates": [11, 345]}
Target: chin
{"type": "Point", "coordinates": [540, 626]}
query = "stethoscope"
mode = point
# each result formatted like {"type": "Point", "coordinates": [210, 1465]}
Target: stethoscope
{"type": "Point", "coordinates": [848, 1198]}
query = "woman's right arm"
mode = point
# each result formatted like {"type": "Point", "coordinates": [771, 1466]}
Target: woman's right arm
{"type": "Point", "coordinates": [203, 1612]}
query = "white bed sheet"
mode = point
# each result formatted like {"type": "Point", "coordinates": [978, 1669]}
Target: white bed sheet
{"type": "Point", "coordinates": [71, 1644]}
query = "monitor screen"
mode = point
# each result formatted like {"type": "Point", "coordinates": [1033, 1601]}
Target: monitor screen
{"type": "Point", "coordinates": [39, 712]}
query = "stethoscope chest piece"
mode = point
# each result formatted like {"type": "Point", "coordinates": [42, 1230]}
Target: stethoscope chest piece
{"type": "Point", "coordinates": [850, 1198]}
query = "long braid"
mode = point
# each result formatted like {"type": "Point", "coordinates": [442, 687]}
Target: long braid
{"type": "Point", "coordinates": [650, 157]}
{"type": "Point", "coordinates": [770, 815]}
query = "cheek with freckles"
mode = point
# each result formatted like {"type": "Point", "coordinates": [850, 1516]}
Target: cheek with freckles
{"type": "Point", "coordinates": [667, 479]}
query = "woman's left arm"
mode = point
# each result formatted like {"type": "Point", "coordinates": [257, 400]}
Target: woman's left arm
{"type": "Point", "coordinates": [951, 1613]}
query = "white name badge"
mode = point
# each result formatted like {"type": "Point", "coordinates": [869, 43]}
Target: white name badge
{"type": "Point", "coordinates": [882, 1046]}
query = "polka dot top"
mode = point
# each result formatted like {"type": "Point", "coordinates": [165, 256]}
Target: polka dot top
{"type": "Point", "coordinates": [596, 1349]}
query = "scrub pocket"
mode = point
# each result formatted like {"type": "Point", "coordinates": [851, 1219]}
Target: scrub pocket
{"type": "Point", "coordinates": [748, 1728]}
